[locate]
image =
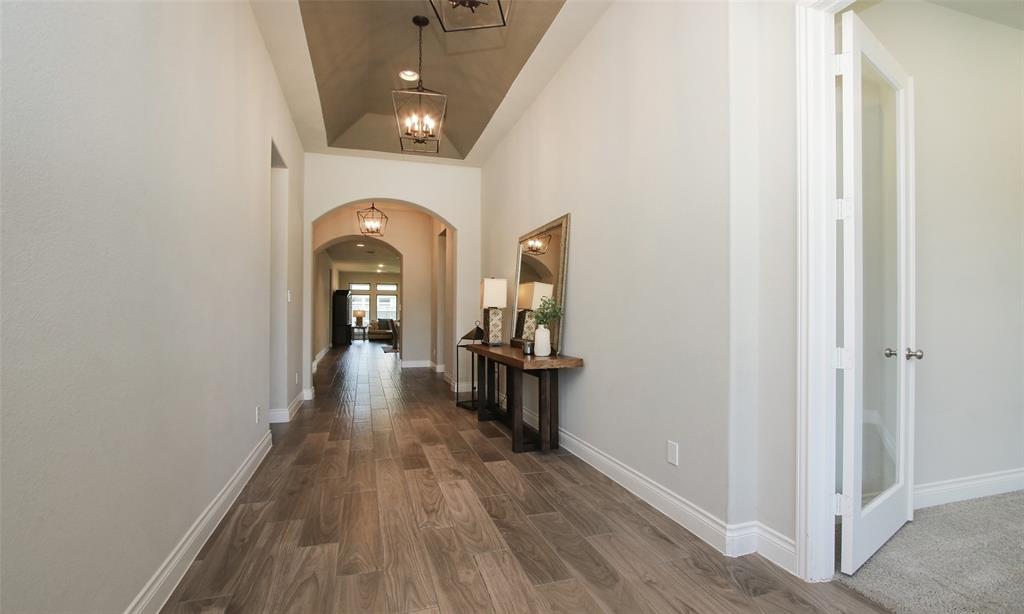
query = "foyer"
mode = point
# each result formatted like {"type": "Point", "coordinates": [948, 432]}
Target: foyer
{"type": "Point", "coordinates": [382, 496]}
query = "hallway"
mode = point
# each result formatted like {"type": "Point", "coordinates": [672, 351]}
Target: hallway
{"type": "Point", "coordinates": [382, 496]}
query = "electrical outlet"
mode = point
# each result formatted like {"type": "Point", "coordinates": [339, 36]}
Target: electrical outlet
{"type": "Point", "coordinates": [257, 414]}
{"type": "Point", "coordinates": [672, 453]}
{"type": "Point", "coordinates": [289, 296]}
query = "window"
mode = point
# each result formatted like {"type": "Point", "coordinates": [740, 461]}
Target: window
{"type": "Point", "coordinates": [387, 287]}
{"type": "Point", "coordinates": [359, 301]}
{"type": "Point", "coordinates": [359, 286]}
{"type": "Point", "coordinates": [387, 307]}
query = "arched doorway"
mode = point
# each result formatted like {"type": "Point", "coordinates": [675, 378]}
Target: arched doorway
{"type": "Point", "coordinates": [426, 290]}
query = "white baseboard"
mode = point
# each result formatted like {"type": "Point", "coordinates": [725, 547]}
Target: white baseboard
{"type": "Point", "coordinates": [307, 394]}
{"type": "Point", "coordinates": [414, 364]}
{"type": "Point", "coordinates": [319, 355]}
{"type": "Point", "coordinates": [159, 588]}
{"type": "Point", "coordinates": [285, 415]}
{"type": "Point", "coordinates": [438, 368]}
{"type": "Point", "coordinates": [750, 537]}
{"type": "Point", "coordinates": [729, 539]}
{"type": "Point", "coordinates": [970, 487]}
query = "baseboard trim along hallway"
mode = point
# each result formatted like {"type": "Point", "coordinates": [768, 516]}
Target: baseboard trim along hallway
{"type": "Point", "coordinates": [729, 539]}
{"type": "Point", "coordinates": [158, 590]}
{"type": "Point", "coordinates": [276, 416]}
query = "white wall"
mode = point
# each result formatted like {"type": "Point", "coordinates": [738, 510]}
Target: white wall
{"type": "Point", "coordinates": [449, 191]}
{"type": "Point", "coordinates": [136, 276]}
{"type": "Point", "coordinates": [969, 80]}
{"type": "Point", "coordinates": [650, 204]}
{"type": "Point", "coordinates": [323, 287]}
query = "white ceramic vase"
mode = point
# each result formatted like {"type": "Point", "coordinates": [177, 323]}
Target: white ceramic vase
{"type": "Point", "coordinates": [542, 341]}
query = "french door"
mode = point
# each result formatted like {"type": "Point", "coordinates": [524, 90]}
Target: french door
{"type": "Point", "coordinates": [875, 293]}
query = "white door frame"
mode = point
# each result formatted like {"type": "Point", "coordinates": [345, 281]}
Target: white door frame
{"type": "Point", "coordinates": [816, 354]}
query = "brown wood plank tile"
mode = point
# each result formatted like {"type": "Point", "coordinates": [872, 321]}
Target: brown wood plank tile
{"type": "Point", "coordinates": [323, 521]}
{"type": "Point", "coordinates": [359, 542]}
{"type": "Point", "coordinates": [535, 556]}
{"type": "Point", "coordinates": [528, 499]}
{"type": "Point", "coordinates": [568, 597]}
{"type": "Point", "coordinates": [428, 502]}
{"type": "Point", "coordinates": [457, 582]}
{"type": "Point", "coordinates": [475, 472]}
{"type": "Point", "coordinates": [407, 577]}
{"type": "Point", "coordinates": [481, 445]}
{"type": "Point", "coordinates": [361, 594]}
{"type": "Point", "coordinates": [606, 584]}
{"type": "Point", "coordinates": [304, 580]}
{"type": "Point", "coordinates": [469, 519]}
{"type": "Point", "coordinates": [572, 507]}
{"type": "Point", "coordinates": [391, 487]}
{"type": "Point", "coordinates": [334, 463]}
{"type": "Point", "coordinates": [510, 589]}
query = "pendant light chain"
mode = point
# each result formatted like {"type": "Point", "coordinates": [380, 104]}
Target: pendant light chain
{"type": "Point", "coordinates": [420, 67]}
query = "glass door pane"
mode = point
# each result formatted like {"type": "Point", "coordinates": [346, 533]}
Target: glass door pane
{"type": "Point", "coordinates": [881, 336]}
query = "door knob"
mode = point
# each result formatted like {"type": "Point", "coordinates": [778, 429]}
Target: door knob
{"type": "Point", "coordinates": [889, 353]}
{"type": "Point", "coordinates": [912, 354]}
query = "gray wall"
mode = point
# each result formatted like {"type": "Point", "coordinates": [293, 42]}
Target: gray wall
{"type": "Point", "coordinates": [969, 80]}
{"type": "Point", "coordinates": [136, 275]}
{"type": "Point", "coordinates": [650, 210]}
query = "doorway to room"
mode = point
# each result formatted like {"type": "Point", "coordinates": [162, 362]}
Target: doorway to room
{"type": "Point", "coordinates": [906, 250]}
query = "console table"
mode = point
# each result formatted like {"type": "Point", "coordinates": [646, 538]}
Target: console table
{"type": "Point", "coordinates": [516, 363]}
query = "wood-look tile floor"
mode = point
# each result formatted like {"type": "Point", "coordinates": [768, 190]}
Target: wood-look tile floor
{"type": "Point", "coordinates": [383, 496]}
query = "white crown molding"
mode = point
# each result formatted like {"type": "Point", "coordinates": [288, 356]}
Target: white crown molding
{"type": "Point", "coordinates": [285, 415]}
{"type": "Point", "coordinates": [158, 589]}
{"type": "Point", "coordinates": [970, 487]}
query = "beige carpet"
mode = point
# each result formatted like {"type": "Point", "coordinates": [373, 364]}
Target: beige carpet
{"type": "Point", "coordinates": [960, 557]}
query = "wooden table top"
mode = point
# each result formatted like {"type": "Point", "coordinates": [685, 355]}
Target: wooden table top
{"type": "Point", "coordinates": [513, 356]}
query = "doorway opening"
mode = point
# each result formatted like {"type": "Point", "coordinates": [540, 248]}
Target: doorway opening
{"type": "Point", "coordinates": [402, 284]}
{"type": "Point", "coordinates": [888, 90]}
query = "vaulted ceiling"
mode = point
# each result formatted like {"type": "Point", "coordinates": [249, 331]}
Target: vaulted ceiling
{"type": "Point", "coordinates": [358, 47]}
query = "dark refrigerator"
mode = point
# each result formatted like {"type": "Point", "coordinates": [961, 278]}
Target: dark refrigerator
{"type": "Point", "coordinates": [341, 333]}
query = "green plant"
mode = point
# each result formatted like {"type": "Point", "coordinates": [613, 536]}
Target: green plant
{"type": "Point", "coordinates": [548, 312]}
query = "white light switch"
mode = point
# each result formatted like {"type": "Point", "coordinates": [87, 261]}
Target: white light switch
{"type": "Point", "coordinates": [289, 296]}
{"type": "Point", "coordinates": [672, 453]}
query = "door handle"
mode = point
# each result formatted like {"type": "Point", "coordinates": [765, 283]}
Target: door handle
{"type": "Point", "coordinates": [912, 354]}
{"type": "Point", "coordinates": [889, 353]}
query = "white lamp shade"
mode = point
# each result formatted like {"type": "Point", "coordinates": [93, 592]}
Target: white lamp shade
{"type": "Point", "coordinates": [531, 294]}
{"type": "Point", "coordinates": [494, 293]}
{"type": "Point", "coordinates": [358, 313]}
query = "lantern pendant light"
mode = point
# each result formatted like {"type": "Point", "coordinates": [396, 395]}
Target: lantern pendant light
{"type": "Point", "coordinates": [459, 15]}
{"type": "Point", "coordinates": [537, 245]}
{"type": "Point", "coordinates": [419, 111]}
{"type": "Point", "coordinates": [372, 221]}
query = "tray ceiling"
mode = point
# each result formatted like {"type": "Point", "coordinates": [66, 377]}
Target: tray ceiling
{"type": "Point", "coordinates": [358, 47]}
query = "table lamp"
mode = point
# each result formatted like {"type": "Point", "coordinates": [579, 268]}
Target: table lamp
{"type": "Point", "coordinates": [359, 314]}
{"type": "Point", "coordinates": [493, 298]}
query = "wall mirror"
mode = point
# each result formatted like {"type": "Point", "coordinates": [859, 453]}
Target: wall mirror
{"type": "Point", "coordinates": [541, 260]}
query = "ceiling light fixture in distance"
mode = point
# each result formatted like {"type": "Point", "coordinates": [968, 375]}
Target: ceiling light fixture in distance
{"type": "Point", "coordinates": [409, 75]}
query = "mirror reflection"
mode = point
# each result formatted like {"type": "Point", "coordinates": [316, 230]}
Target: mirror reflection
{"type": "Point", "coordinates": [540, 273]}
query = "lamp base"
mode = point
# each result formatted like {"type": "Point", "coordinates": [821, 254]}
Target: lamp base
{"type": "Point", "coordinates": [492, 326]}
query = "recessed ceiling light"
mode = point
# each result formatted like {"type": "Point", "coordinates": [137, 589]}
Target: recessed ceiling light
{"type": "Point", "coordinates": [380, 265]}
{"type": "Point", "coordinates": [360, 245]}
{"type": "Point", "coordinates": [409, 75]}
